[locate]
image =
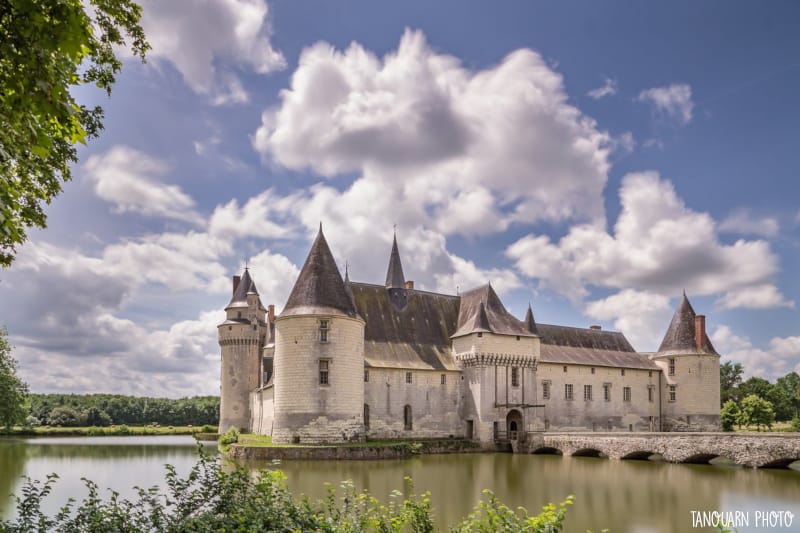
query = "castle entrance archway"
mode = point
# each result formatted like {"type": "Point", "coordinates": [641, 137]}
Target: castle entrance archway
{"type": "Point", "coordinates": [513, 424]}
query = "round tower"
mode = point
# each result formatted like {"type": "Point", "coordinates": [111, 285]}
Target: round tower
{"type": "Point", "coordinates": [319, 357]}
{"type": "Point", "coordinates": [690, 395]}
{"type": "Point", "coordinates": [241, 338]}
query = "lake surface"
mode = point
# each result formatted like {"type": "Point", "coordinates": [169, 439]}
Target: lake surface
{"type": "Point", "coordinates": [624, 496]}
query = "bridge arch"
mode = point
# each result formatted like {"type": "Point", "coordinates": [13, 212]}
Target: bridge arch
{"type": "Point", "coordinates": [639, 455]}
{"type": "Point", "coordinates": [589, 452]}
{"type": "Point", "coordinates": [547, 450]}
{"type": "Point", "coordinates": [783, 462]}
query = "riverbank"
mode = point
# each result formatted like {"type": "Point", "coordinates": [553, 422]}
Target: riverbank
{"type": "Point", "coordinates": [94, 431]}
{"type": "Point", "coordinates": [253, 447]}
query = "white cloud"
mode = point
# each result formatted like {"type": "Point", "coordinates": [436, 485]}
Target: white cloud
{"type": "Point", "coordinates": [466, 275]}
{"type": "Point", "coordinates": [128, 179]}
{"type": "Point", "coordinates": [263, 215]}
{"type": "Point", "coordinates": [425, 131]}
{"type": "Point", "coordinates": [609, 88]}
{"type": "Point", "coordinates": [642, 316]}
{"type": "Point", "coordinates": [274, 276]}
{"type": "Point", "coordinates": [780, 357]}
{"type": "Point", "coordinates": [757, 297]}
{"type": "Point", "coordinates": [674, 101]}
{"type": "Point", "coordinates": [198, 36]}
{"type": "Point", "coordinates": [657, 245]}
{"type": "Point", "coordinates": [744, 222]}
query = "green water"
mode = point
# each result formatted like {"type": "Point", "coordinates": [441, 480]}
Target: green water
{"type": "Point", "coordinates": [624, 496]}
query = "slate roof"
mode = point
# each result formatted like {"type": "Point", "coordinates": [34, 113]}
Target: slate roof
{"type": "Point", "coordinates": [319, 288]}
{"type": "Point", "coordinates": [415, 337]}
{"type": "Point", "coordinates": [530, 323]}
{"type": "Point", "coordinates": [394, 274]}
{"type": "Point", "coordinates": [246, 285]}
{"type": "Point", "coordinates": [579, 346]}
{"type": "Point", "coordinates": [681, 336]}
{"type": "Point", "coordinates": [498, 319]}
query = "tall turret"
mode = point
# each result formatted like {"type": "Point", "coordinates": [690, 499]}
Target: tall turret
{"type": "Point", "coordinates": [319, 357]}
{"type": "Point", "coordinates": [395, 280]}
{"type": "Point", "coordinates": [690, 394]}
{"type": "Point", "coordinates": [241, 338]}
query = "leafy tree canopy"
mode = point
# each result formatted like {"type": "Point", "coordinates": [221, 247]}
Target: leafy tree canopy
{"type": "Point", "coordinates": [756, 411]}
{"type": "Point", "coordinates": [48, 47]}
{"type": "Point", "coordinates": [13, 391]}
{"type": "Point", "coordinates": [730, 377]}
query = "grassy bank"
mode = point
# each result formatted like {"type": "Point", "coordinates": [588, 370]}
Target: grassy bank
{"type": "Point", "coordinates": [94, 431]}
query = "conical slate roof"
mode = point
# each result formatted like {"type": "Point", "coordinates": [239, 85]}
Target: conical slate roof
{"type": "Point", "coordinates": [246, 285]}
{"type": "Point", "coordinates": [394, 275]}
{"type": "Point", "coordinates": [484, 300]}
{"type": "Point", "coordinates": [530, 323]}
{"type": "Point", "coordinates": [681, 335]}
{"type": "Point", "coordinates": [319, 288]}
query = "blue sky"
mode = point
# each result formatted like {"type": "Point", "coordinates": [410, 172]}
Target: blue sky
{"type": "Point", "coordinates": [593, 158]}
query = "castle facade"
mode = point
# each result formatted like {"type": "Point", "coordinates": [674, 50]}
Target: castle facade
{"type": "Point", "coordinates": [347, 361]}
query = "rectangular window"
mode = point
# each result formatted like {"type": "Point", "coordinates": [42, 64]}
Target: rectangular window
{"type": "Point", "coordinates": [607, 392]}
{"type": "Point", "coordinates": [626, 394]}
{"type": "Point", "coordinates": [514, 376]}
{"type": "Point", "coordinates": [444, 379]}
{"type": "Point", "coordinates": [408, 377]}
{"type": "Point", "coordinates": [546, 390]}
{"type": "Point", "coordinates": [323, 372]}
{"type": "Point", "coordinates": [323, 331]}
{"type": "Point", "coordinates": [587, 393]}
{"type": "Point", "coordinates": [671, 366]}
{"type": "Point", "coordinates": [650, 394]}
{"type": "Point", "coordinates": [565, 369]}
{"type": "Point", "coordinates": [672, 394]}
{"type": "Point", "coordinates": [592, 370]}
{"type": "Point", "coordinates": [622, 372]}
{"type": "Point", "coordinates": [366, 376]}
{"type": "Point", "coordinates": [568, 391]}
{"type": "Point", "coordinates": [480, 334]}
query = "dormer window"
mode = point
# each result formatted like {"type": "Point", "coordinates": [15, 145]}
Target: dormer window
{"type": "Point", "coordinates": [323, 330]}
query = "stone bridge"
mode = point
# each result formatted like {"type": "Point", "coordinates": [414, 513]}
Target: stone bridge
{"type": "Point", "coordinates": [765, 450]}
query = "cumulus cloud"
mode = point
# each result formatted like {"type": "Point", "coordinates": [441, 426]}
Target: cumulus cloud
{"type": "Point", "coordinates": [657, 244]}
{"type": "Point", "coordinates": [263, 215]}
{"type": "Point", "coordinates": [431, 133]}
{"type": "Point", "coordinates": [765, 296]}
{"type": "Point", "coordinates": [778, 358]}
{"type": "Point", "coordinates": [609, 88]}
{"type": "Point", "coordinates": [642, 316]}
{"type": "Point", "coordinates": [745, 222]}
{"type": "Point", "coordinates": [674, 101]}
{"type": "Point", "coordinates": [128, 179]}
{"type": "Point", "coordinates": [198, 36]}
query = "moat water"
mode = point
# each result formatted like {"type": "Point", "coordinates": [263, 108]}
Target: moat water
{"type": "Point", "coordinates": [623, 496]}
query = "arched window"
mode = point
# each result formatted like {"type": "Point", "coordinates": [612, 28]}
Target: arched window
{"type": "Point", "coordinates": [407, 420]}
{"type": "Point", "coordinates": [366, 416]}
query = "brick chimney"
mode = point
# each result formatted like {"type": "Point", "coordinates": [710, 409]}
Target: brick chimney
{"type": "Point", "coordinates": [236, 280]}
{"type": "Point", "coordinates": [409, 284]}
{"type": "Point", "coordinates": [596, 327]}
{"type": "Point", "coordinates": [271, 313]}
{"type": "Point", "coordinates": [700, 331]}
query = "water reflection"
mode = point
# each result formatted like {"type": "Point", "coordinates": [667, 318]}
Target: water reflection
{"type": "Point", "coordinates": [635, 496]}
{"type": "Point", "coordinates": [625, 496]}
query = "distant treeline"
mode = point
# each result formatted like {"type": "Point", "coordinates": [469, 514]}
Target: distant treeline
{"type": "Point", "coordinates": [73, 410]}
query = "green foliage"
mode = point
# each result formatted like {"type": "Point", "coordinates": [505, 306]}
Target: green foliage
{"type": "Point", "coordinates": [729, 415]}
{"type": "Point", "coordinates": [108, 409]}
{"type": "Point", "coordinates": [66, 416]}
{"type": "Point", "coordinates": [730, 377]}
{"type": "Point", "coordinates": [13, 391]}
{"type": "Point", "coordinates": [756, 411]}
{"type": "Point", "coordinates": [48, 48]}
{"type": "Point", "coordinates": [795, 426]}
{"type": "Point", "coordinates": [213, 499]}
{"type": "Point", "coordinates": [229, 437]}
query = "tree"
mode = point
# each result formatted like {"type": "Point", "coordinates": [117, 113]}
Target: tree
{"type": "Point", "coordinates": [46, 49]}
{"type": "Point", "coordinates": [13, 391]}
{"type": "Point", "coordinates": [756, 411]}
{"type": "Point", "coordinates": [730, 377]}
{"type": "Point", "coordinates": [790, 384]}
{"type": "Point", "coordinates": [729, 415]}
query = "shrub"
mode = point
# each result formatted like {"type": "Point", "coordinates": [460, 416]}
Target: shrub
{"type": "Point", "coordinates": [229, 437]}
{"type": "Point", "coordinates": [213, 499]}
{"type": "Point", "coordinates": [729, 415]}
{"type": "Point", "coordinates": [795, 424]}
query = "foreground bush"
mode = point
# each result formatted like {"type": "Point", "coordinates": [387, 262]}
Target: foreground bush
{"type": "Point", "coordinates": [211, 499]}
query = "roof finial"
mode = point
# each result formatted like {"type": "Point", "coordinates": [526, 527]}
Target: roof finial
{"type": "Point", "coordinates": [346, 271]}
{"type": "Point", "coordinates": [246, 261]}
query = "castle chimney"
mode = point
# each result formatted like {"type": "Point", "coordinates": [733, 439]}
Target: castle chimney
{"type": "Point", "coordinates": [409, 284]}
{"type": "Point", "coordinates": [236, 280]}
{"type": "Point", "coordinates": [700, 331]}
{"type": "Point", "coordinates": [595, 327]}
{"type": "Point", "coordinates": [271, 311]}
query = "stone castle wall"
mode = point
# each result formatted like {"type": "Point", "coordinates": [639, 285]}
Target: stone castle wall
{"type": "Point", "coordinates": [307, 411]}
{"type": "Point", "coordinates": [239, 373]}
{"type": "Point", "coordinates": [697, 393]}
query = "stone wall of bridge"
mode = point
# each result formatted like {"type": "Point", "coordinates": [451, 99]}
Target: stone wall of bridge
{"type": "Point", "coordinates": [754, 450]}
